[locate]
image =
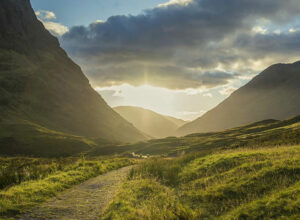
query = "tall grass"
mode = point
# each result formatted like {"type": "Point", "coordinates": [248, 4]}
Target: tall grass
{"type": "Point", "coordinates": [29, 193]}
{"type": "Point", "coordinates": [232, 184]}
{"type": "Point", "coordinates": [165, 170]}
{"type": "Point", "coordinates": [146, 199]}
{"type": "Point", "coordinates": [19, 169]}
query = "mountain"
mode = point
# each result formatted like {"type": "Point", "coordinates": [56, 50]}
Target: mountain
{"type": "Point", "coordinates": [266, 133]}
{"type": "Point", "coordinates": [42, 89]}
{"type": "Point", "coordinates": [274, 93]}
{"type": "Point", "coordinates": [149, 122]}
{"type": "Point", "coordinates": [177, 121]}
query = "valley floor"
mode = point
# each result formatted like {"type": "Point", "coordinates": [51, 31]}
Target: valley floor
{"type": "Point", "coordinates": [32, 183]}
{"type": "Point", "coordinates": [250, 172]}
{"type": "Point", "coordinates": [242, 183]}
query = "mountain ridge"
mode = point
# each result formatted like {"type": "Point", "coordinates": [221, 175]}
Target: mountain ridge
{"type": "Point", "coordinates": [39, 83]}
{"type": "Point", "coordinates": [149, 122]}
{"type": "Point", "coordinates": [271, 94]}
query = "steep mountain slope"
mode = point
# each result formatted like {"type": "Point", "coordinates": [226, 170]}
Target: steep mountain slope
{"type": "Point", "coordinates": [41, 85]}
{"type": "Point", "coordinates": [272, 94]}
{"type": "Point", "coordinates": [150, 122]}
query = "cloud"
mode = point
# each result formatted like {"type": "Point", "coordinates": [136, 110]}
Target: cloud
{"type": "Point", "coordinates": [173, 77]}
{"type": "Point", "coordinates": [175, 2]}
{"type": "Point", "coordinates": [110, 91]}
{"type": "Point", "coordinates": [274, 44]}
{"type": "Point", "coordinates": [208, 95]}
{"type": "Point", "coordinates": [55, 28]}
{"type": "Point", "coordinates": [186, 44]}
{"type": "Point", "coordinates": [189, 116]}
{"type": "Point", "coordinates": [260, 30]}
{"type": "Point", "coordinates": [45, 15]}
{"type": "Point", "coordinates": [227, 90]}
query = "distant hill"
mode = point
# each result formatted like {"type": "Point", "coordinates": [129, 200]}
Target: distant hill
{"type": "Point", "coordinates": [272, 94]}
{"type": "Point", "coordinates": [177, 121]}
{"type": "Point", "coordinates": [150, 122]}
{"type": "Point", "coordinates": [41, 86]}
{"type": "Point", "coordinates": [265, 133]}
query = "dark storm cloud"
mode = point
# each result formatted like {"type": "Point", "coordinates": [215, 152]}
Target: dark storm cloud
{"type": "Point", "coordinates": [178, 45]}
{"type": "Point", "coordinates": [267, 44]}
{"type": "Point", "coordinates": [174, 77]}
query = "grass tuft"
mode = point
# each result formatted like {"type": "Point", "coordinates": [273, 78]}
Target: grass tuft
{"type": "Point", "coordinates": [33, 190]}
{"type": "Point", "coordinates": [230, 184]}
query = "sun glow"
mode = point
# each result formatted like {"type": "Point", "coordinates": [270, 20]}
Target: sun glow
{"type": "Point", "coordinates": [177, 103]}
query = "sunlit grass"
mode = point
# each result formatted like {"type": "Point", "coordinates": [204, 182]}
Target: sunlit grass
{"type": "Point", "coordinates": [261, 134]}
{"type": "Point", "coordinates": [29, 193]}
{"type": "Point", "coordinates": [145, 199]}
{"type": "Point", "coordinates": [230, 184]}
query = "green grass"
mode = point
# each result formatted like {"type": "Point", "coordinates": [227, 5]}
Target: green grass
{"type": "Point", "coordinates": [260, 134]}
{"type": "Point", "coordinates": [262, 183]}
{"type": "Point", "coordinates": [15, 170]}
{"type": "Point", "coordinates": [37, 188]}
{"type": "Point", "coordinates": [145, 199]}
{"type": "Point", "coordinates": [24, 138]}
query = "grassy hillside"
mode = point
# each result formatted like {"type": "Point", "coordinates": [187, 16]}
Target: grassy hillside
{"type": "Point", "coordinates": [25, 138]}
{"type": "Point", "coordinates": [26, 182]}
{"type": "Point", "coordinates": [149, 122]}
{"type": "Point", "coordinates": [244, 183]}
{"type": "Point", "coordinates": [274, 93]}
{"type": "Point", "coordinates": [264, 133]}
{"type": "Point", "coordinates": [250, 172]}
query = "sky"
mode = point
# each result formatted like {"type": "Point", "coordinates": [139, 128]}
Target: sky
{"type": "Point", "coordinates": [176, 57]}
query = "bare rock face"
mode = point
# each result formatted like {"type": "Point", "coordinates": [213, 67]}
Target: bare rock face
{"type": "Point", "coordinates": [41, 84]}
{"type": "Point", "coordinates": [273, 94]}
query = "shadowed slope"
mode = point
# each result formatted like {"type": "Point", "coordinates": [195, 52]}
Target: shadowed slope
{"type": "Point", "coordinates": [41, 84]}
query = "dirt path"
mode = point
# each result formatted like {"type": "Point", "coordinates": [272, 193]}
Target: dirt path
{"type": "Point", "coordinates": [85, 201]}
